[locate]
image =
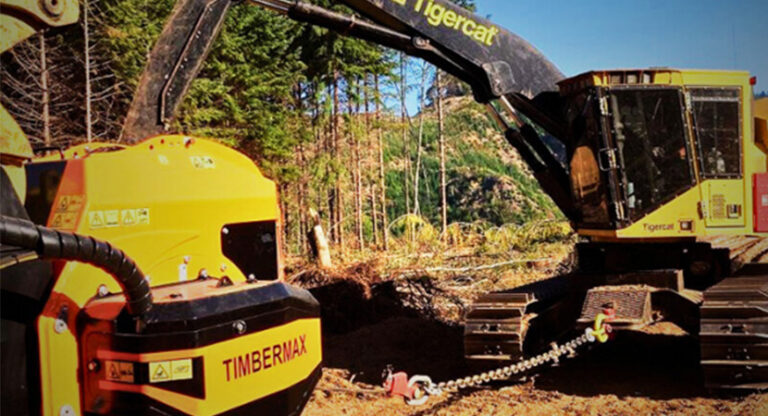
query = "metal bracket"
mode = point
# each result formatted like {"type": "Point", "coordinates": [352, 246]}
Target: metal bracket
{"type": "Point", "coordinates": [610, 154]}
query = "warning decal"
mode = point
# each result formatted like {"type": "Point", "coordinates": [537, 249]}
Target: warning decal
{"type": "Point", "coordinates": [67, 212]}
{"type": "Point", "coordinates": [111, 218]}
{"type": "Point", "coordinates": [128, 216]}
{"type": "Point", "coordinates": [170, 370]}
{"type": "Point", "coordinates": [121, 218]}
{"type": "Point", "coordinates": [118, 371]}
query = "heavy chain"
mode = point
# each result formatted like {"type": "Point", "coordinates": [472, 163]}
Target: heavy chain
{"type": "Point", "coordinates": [599, 332]}
{"type": "Point", "coordinates": [503, 373]}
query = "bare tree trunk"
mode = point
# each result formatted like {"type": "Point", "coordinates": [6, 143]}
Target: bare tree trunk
{"type": "Point", "coordinates": [87, 68]}
{"type": "Point", "coordinates": [301, 190]}
{"type": "Point", "coordinates": [359, 174]}
{"type": "Point", "coordinates": [46, 97]}
{"type": "Point", "coordinates": [441, 141]}
{"type": "Point", "coordinates": [370, 158]}
{"type": "Point", "coordinates": [382, 178]}
{"type": "Point", "coordinates": [320, 243]}
{"type": "Point", "coordinates": [406, 147]}
{"type": "Point", "coordinates": [352, 110]}
{"type": "Point", "coordinates": [422, 101]}
{"type": "Point", "coordinates": [338, 226]}
{"type": "Point", "coordinates": [333, 145]}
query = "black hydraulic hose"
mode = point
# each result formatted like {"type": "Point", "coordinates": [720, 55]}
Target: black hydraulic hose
{"type": "Point", "coordinates": [61, 245]}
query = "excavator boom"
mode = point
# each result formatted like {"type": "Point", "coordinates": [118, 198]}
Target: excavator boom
{"type": "Point", "coordinates": [493, 61]}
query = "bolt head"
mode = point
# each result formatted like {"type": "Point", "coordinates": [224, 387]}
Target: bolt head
{"type": "Point", "coordinates": [93, 365]}
{"type": "Point", "coordinates": [59, 326]}
{"type": "Point", "coordinates": [240, 327]}
{"type": "Point", "coordinates": [187, 259]}
{"type": "Point", "coordinates": [66, 410]}
{"type": "Point", "coordinates": [225, 230]}
{"type": "Point", "coordinates": [103, 291]}
{"type": "Point", "coordinates": [223, 267]}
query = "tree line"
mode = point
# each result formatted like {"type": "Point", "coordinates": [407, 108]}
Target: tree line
{"type": "Point", "coordinates": [324, 115]}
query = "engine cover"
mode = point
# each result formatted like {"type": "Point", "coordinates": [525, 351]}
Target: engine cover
{"type": "Point", "coordinates": [207, 347]}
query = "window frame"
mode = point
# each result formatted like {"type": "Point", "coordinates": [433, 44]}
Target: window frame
{"type": "Point", "coordinates": [690, 101]}
{"type": "Point", "coordinates": [634, 215]}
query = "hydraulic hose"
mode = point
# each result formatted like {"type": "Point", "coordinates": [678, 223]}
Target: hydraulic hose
{"type": "Point", "coordinates": [61, 245]}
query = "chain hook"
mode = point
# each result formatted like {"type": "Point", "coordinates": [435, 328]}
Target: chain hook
{"type": "Point", "coordinates": [422, 387]}
{"type": "Point", "coordinates": [601, 330]}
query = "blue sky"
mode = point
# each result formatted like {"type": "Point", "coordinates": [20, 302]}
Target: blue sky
{"type": "Point", "coordinates": [582, 35]}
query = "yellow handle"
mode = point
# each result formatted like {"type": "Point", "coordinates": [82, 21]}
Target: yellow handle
{"type": "Point", "coordinates": [599, 330]}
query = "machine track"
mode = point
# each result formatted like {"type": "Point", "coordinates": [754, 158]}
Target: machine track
{"type": "Point", "coordinates": [496, 326]}
{"type": "Point", "coordinates": [734, 331]}
{"type": "Point", "coordinates": [505, 326]}
{"type": "Point", "coordinates": [731, 316]}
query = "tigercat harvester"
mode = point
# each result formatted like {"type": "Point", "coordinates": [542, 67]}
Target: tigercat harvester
{"type": "Point", "coordinates": [661, 171]}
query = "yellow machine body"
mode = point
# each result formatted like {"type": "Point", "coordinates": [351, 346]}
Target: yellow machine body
{"type": "Point", "coordinates": [154, 191]}
{"type": "Point", "coordinates": [712, 204]}
{"type": "Point", "coordinates": [167, 202]}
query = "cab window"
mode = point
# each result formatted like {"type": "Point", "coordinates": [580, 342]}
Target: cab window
{"type": "Point", "coordinates": [716, 120]}
{"type": "Point", "coordinates": [650, 134]}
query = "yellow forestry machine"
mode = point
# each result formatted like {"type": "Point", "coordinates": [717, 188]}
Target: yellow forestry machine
{"type": "Point", "coordinates": [146, 279]}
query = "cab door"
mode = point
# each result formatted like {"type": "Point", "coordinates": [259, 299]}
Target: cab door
{"type": "Point", "coordinates": [717, 127]}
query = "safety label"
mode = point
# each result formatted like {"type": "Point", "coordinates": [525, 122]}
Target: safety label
{"type": "Point", "coordinates": [118, 218]}
{"type": "Point", "coordinates": [202, 162]}
{"type": "Point", "coordinates": [118, 371]}
{"type": "Point", "coordinates": [111, 218]}
{"type": "Point", "coordinates": [161, 371]}
{"type": "Point", "coordinates": [67, 212]}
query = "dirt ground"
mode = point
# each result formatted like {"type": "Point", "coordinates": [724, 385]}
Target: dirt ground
{"type": "Point", "coordinates": [413, 325]}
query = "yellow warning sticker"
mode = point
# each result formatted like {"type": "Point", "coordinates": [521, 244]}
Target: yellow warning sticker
{"type": "Point", "coordinates": [70, 203]}
{"type": "Point", "coordinates": [67, 212]}
{"type": "Point", "coordinates": [118, 371]}
{"type": "Point", "coordinates": [181, 369]}
{"type": "Point", "coordinates": [96, 219]}
{"type": "Point", "coordinates": [128, 216]}
{"type": "Point", "coordinates": [202, 162]}
{"type": "Point", "coordinates": [142, 216]}
{"type": "Point", "coordinates": [64, 220]}
{"type": "Point", "coordinates": [161, 371]}
{"type": "Point", "coordinates": [112, 218]}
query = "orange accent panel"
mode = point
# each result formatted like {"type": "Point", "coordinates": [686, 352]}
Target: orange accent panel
{"type": "Point", "coordinates": [70, 199]}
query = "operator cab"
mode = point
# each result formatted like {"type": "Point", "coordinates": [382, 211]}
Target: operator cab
{"type": "Point", "coordinates": [658, 152]}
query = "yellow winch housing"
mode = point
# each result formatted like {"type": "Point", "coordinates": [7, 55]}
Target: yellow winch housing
{"type": "Point", "coordinates": [185, 209]}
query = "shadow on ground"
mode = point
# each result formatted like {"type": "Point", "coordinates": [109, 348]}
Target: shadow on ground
{"type": "Point", "coordinates": [368, 328]}
{"type": "Point", "coordinates": [633, 364]}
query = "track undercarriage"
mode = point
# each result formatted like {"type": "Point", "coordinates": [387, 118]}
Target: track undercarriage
{"type": "Point", "coordinates": [713, 289]}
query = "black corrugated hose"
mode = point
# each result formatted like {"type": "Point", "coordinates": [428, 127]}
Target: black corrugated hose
{"type": "Point", "coordinates": [60, 245]}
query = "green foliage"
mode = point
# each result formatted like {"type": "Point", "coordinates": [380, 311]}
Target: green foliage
{"type": "Point", "coordinates": [130, 28]}
{"type": "Point", "coordinates": [244, 93]}
{"type": "Point", "coordinates": [482, 185]}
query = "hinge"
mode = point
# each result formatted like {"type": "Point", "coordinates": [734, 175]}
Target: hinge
{"type": "Point", "coordinates": [688, 101]}
{"type": "Point", "coordinates": [619, 211]}
{"type": "Point", "coordinates": [604, 106]}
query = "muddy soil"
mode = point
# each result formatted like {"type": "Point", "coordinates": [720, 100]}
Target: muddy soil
{"type": "Point", "coordinates": [411, 325]}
